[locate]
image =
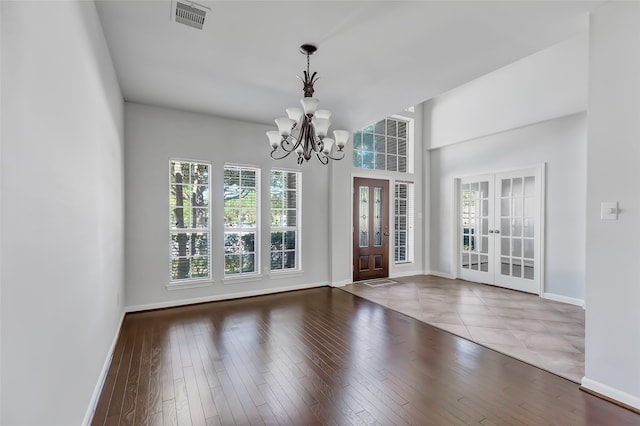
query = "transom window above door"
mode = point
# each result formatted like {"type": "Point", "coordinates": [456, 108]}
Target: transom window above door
{"type": "Point", "coordinates": [384, 145]}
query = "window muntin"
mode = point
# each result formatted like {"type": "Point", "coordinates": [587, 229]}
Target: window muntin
{"type": "Point", "coordinates": [285, 220]}
{"type": "Point", "coordinates": [241, 220]}
{"type": "Point", "coordinates": [403, 222]}
{"type": "Point", "coordinates": [382, 146]}
{"type": "Point", "coordinates": [189, 230]}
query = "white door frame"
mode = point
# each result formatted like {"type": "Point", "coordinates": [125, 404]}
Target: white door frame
{"type": "Point", "coordinates": [455, 223]}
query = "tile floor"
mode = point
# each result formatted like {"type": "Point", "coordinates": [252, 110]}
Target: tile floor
{"type": "Point", "coordinates": [544, 333]}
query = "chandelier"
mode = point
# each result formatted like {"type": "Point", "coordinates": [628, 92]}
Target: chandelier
{"type": "Point", "coordinates": [304, 131]}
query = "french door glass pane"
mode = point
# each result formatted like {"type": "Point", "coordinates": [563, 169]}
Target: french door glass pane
{"type": "Point", "coordinates": [528, 248]}
{"type": "Point", "coordinates": [528, 269]}
{"type": "Point", "coordinates": [516, 268]}
{"type": "Point", "coordinates": [484, 245]}
{"type": "Point", "coordinates": [505, 264]}
{"type": "Point", "coordinates": [516, 227]}
{"type": "Point", "coordinates": [529, 186]}
{"type": "Point", "coordinates": [484, 263]}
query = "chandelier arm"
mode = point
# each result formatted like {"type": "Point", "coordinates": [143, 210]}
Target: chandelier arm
{"type": "Point", "coordinates": [286, 154]}
{"type": "Point", "coordinates": [315, 141]}
{"type": "Point", "coordinates": [335, 158]}
{"type": "Point", "coordinates": [323, 158]}
{"type": "Point", "coordinates": [294, 144]}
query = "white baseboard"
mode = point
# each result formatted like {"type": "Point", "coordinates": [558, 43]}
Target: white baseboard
{"type": "Point", "coordinates": [341, 283]}
{"type": "Point", "coordinates": [218, 297]}
{"type": "Point", "coordinates": [563, 299]}
{"type": "Point", "coordinates": [399, 274]}
{"type": "Point", "coordinates": [440, 274]}
{"type": "Point", "coordinates": [610, 392]}
{"type": "Point", "coordinates": [88, 417]}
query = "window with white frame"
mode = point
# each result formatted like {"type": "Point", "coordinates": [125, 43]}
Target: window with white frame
{"type": "Point", "coordinates": [285, 220]}
{"type": "Point", "coordinates": [241, 220]}
{"type": "Point", "coordinates": [189, 220]}
{"type": "Point", "coordinates": [382, 146]}
{"type": "Point", "coordinates": [403, 222]}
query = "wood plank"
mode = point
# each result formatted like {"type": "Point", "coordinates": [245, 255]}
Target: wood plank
{"type": "Point", "coordinates": [155, 371]}
{"type": "Point", "coordinates": [222, 406]}
{"type": "Point", "coordinates": [169, 413]}
{"type": "Point", "coordinates": [104, 401]}
{"type": "Point", "coordinates": [183, 413]}
{"type": "Point", "coordinates": [233, 399]}
{"type": "Point", "coordinates": [127, 414]}
{"type": "Point", "coordinates": [142, 393]}
{"type": "Point", "coordinates": [128, 334]}
{"type": "Point", "coordinates": [197, 384]}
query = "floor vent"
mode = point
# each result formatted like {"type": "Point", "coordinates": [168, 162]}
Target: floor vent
{"type": "Point", "coordinates": [189, 15]}
{"type": "Point", "coordinates": [379, 282]}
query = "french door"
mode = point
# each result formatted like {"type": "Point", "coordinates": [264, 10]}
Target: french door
{"type": "Point", "coordinates": [499, 233]}
{"type": "Point", "coordinates": [370, 229]}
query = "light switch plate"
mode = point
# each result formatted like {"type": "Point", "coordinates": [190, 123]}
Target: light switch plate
{"type": "Point", "coordinates": [609, 210]}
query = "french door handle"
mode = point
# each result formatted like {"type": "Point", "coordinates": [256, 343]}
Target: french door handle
{"type": "Point", "coordinates": [497, 231]}
{"type": "Point", "coordinates": [491, 231]}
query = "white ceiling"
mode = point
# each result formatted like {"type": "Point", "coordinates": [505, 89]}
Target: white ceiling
{"type": "Point", "coordinates": [374, 57]}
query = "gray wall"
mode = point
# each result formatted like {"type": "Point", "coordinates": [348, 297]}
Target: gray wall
{"type": "Point", "coordinates": [62, 211]}
{"type": "Point", "coordinates": [613, 173]}
{"type": "Point", "coordinates": [154, 135]}
{"type": "Point", "coordinates": [561, 144]}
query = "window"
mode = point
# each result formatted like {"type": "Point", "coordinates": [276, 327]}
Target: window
{"type": "Point", "coordinates": [285, 220]}
{"type": "Point", "coordinates": [403, 222]}
{"type": "Point", "coordinates": [241, 199]}
{"type": "Point", "coordinates": [382, 146]}
{"type": "Point", "coordinates": [189, 220]}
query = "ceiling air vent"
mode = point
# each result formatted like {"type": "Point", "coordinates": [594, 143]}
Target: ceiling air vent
{"type": "Point", "coordinates": [189, 15]}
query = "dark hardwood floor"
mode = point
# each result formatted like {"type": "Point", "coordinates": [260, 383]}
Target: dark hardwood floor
{"type": "Point", "coordinates": [324, 356]}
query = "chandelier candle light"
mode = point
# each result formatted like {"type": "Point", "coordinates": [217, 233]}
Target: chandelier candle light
{"type": "Point", "coordinates": [311, 125]}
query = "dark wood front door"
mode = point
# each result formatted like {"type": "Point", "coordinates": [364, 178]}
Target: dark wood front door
{"type": "Point", "coordinates": [370, 229]}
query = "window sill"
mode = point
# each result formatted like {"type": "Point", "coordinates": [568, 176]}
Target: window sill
{"type": "Point", "coordinates": [405, 262]}
{"type": "Point", "coordinates": [242, 278]}
{"type": "Point", "coordinates": [188, 284]}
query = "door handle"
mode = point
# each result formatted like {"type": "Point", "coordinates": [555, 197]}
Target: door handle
{"type": "Point", "coordinates": [491, 231]}
{"type": "Point", "coordinates": [497, 231]}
